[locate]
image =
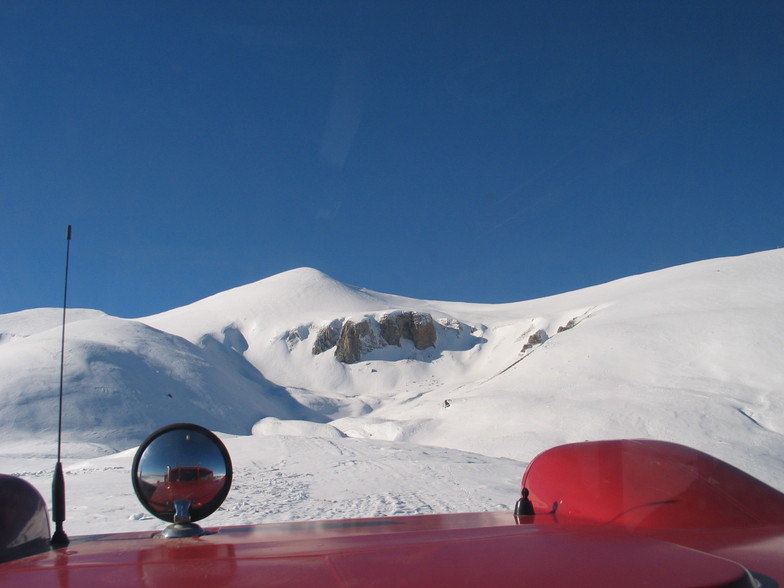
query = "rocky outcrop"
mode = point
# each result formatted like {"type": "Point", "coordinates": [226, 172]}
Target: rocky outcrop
{"type": "Point", "coordinates": [326, 338]}
{"type": "Point", "coordinates": [354, 338]}
{"type": "Point", "coordinates": [423, 331]}
{"type": "Point", "coordinates": [540, 336]}
{"type": "Point", "coordinates": [414, 326]}
{"type": "Point", "coordinates": [536, 339]}
{"type": "Point", "coordinates": [295, 336]}
{"type": "Point", "coordinates": [570, 325]}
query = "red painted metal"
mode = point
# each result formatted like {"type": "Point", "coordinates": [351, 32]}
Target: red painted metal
{"type": "Point", "coordinates": [681, 520]}
{"type": "Point", "coordinates": [484, 549]}
{"type": "Point", "coordinates": [645, 483]}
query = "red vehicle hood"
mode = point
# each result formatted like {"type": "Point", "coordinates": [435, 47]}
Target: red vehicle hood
{"type": "Point", "coordinates": [607, 513]}
{"type": "Point", "coordinates": [487, 549]}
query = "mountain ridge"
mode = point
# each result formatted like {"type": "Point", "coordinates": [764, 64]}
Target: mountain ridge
{"type": "Point", "coordinates": [688, 354]}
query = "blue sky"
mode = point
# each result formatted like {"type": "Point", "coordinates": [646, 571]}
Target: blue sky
{"type": "Point", "coordinates": [485, 152]}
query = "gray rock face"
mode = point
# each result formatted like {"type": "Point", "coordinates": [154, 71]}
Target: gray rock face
{"type": "Point", "coordinates": [536, 339]}
{"type": "Point", "coordinates": [570, 325]}
{"type": "Point", "coordinates": [327, 337]}
{"type": "Point", "coordinates": [354, 339]}
{"type": "Point", "coordinates": [358, 337]}
{"type": "Point", "coordinates": [414, 326]}
{"type": "Point", "coordinates": [423, 331]}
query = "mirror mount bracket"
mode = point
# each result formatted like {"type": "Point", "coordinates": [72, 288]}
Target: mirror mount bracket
{"type": "Point", "coordinates": [182, 525]}
{"type": "Point", "coordinates": [182, 511]}
{"type": "Point", "coordinates": [180, 530]}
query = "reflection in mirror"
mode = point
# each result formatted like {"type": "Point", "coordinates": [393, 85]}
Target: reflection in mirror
{"type": "Point", "coordinates": [182, 473]}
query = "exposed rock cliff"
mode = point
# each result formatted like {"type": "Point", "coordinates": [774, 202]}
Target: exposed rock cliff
{"type": "Point", "coordinates": [415, 326]}
{"type": "Point", "coordinates": [327, 337]}
{"type": "Point", "coordinates": [352, 338]}
{"type": "Point", "coordinates": [358, 337]}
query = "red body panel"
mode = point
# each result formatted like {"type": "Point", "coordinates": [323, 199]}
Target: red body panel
{"type": "Point", "coordinates": [644, 483]}
{"type": "Point", "coordinates": [603, 533]}
{"type": "Point", "coordinates": [482, 549]}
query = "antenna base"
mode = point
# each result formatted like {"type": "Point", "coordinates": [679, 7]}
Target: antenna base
{"type": "Point", "coordinates": [59, 539]}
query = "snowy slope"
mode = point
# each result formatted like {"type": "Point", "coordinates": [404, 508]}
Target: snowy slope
{"type": "Point", "coordinates": [124, 379]}
{"type": "Point", "coordinates": [688, 354]}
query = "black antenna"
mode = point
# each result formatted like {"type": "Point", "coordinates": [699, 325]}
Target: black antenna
{"type": "Point", "coordinates": [59, 538]}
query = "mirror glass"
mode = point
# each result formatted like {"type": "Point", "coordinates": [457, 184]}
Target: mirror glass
{"type": "Point", "coordinates": [182, 462]}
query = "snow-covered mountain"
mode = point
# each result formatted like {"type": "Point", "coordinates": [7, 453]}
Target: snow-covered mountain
{"type": "Point", "coordinates": [689, 354]}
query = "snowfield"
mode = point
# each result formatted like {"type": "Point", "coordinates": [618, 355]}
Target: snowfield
{"type": "Point", "coordinates": [689, 354]}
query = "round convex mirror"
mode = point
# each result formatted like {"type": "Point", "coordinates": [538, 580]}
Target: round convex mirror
{"type": "Point", "coordinates": [185, 464]}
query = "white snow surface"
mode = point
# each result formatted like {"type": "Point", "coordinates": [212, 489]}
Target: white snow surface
{"type": "Point", "coordinates": [688, 354]}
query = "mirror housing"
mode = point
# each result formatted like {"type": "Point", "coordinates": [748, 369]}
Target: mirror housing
{"type": "Point", "coordinates": [181, 474]}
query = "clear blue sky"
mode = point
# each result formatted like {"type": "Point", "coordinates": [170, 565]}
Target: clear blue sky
{"type": "Point", "coordinates": [476, 151]}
